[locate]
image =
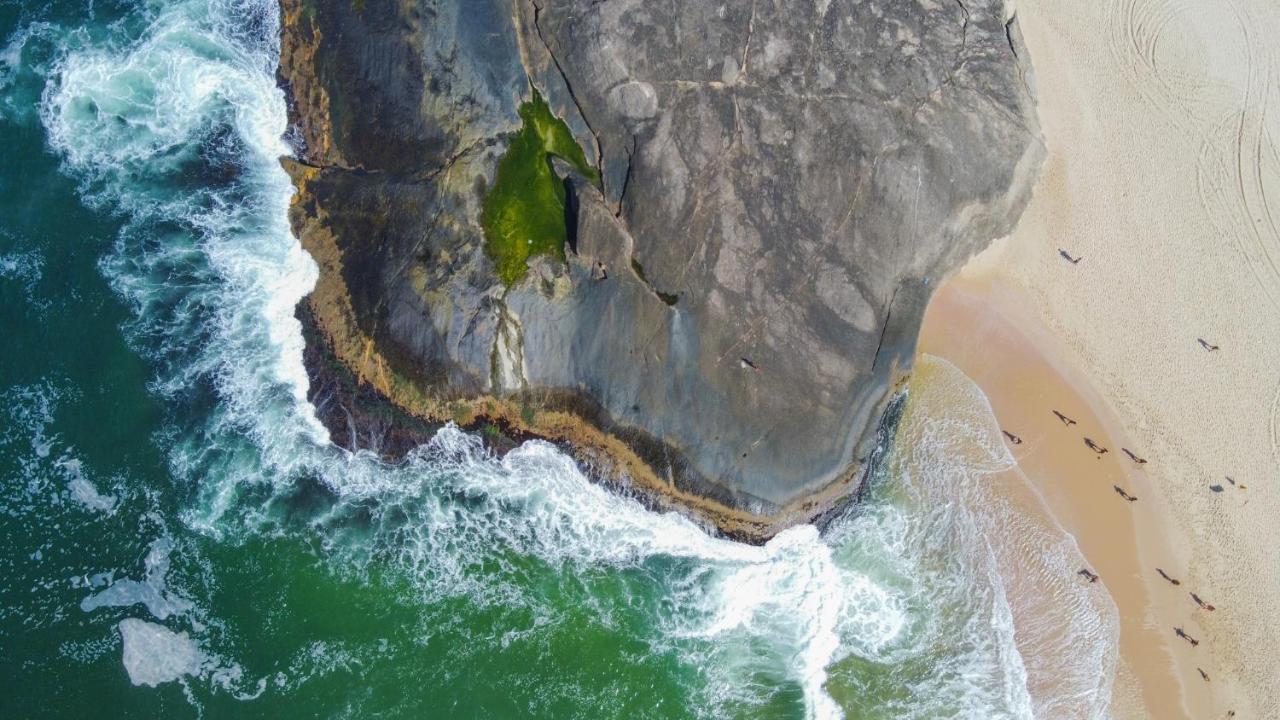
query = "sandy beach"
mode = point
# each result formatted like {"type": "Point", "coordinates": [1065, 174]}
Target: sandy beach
{"type": "Point", "coordinates": [982, 329]}
{"type": "Point", "coordinates": [1160, 168]}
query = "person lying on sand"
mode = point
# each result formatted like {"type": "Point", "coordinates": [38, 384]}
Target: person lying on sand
{"type": "Point", "coordinates": [1095, 447]}
{"type": "Point", "coordinates": [1123, 494]}
{"type": "Point", "coordinates": [1012, 438]}
{"type": "Point", "coordinates": [1204, 605]}
{"type": "Point", "coordinates": [1088, 574]}
{"type": "Point", "coordinates": [1067, 256]}
{"type": "Point", "coordinates": [1165, 575]}
{"type": "Point", "coordinates": [1183, 634]}
{"type": "Point", "coordinates": [1206, 345]}
{"type": "Point", "coordinates": [1135, 458]}
{"type": "Point", "coordinates": [1065, 420]}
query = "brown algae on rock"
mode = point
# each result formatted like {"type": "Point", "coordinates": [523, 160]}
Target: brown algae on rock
{"type": "Point", "coordinates": [524, 212]}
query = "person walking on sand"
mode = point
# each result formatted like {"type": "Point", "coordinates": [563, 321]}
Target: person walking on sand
{"type": "Point", "coordinates": [1135, 458]}
{"type": "Point", "coordinates": [1183, 634]}
{"type": "Point", "coordinates": [1204, 675]}
{"type": "Point", "coordinates": [1203, 605]}
{"type": "Point", "coordinates": [1088, 574]}
{"type": "Point", "coordinates": [1067, 256]}
{"type": "Point", "coordinates": [1065, 420]}
{"type": "Point", "coordinates": [1123, 494]}
{"type": "Point", "coordinates": [1165, 575]}
{"type": "Point", "coordinates": [1204, 344]}
{"type": "Point", "coordinates": [1095, 446]}
{"type": "Point", "coordinates": [1012, 438]}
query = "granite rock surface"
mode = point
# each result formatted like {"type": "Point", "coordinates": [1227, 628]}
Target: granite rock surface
{"type": "Point", "coordinates": [780, 185]}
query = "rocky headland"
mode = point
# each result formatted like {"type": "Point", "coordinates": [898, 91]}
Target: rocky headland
{"type": "Point", "coordinates": [691, 241]}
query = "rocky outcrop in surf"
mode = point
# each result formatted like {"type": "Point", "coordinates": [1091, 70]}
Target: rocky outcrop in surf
{"type": "Point", "coordinates": [692, 242]}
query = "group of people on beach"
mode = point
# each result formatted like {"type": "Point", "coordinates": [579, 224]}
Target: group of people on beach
{"type": "Point", "coordinates": [1089, 575]}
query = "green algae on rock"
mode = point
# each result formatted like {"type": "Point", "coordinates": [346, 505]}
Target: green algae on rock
{"type": "Point", "coordinates": [524, 212]}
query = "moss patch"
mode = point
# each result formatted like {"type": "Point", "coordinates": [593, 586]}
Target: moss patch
{"type": "Point", "coordinates": [523, 214]}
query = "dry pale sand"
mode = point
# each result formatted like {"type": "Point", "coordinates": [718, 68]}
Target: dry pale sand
{"type": "Point", "coordinates": [1160, 174]}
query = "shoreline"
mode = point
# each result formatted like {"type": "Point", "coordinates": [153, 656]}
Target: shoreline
{"type": "Point", "coordinates": [981, 327]}
{"type": "Point", "coordinates": [620, 457]}
{"type": "Point", "coordinates": [1161, 164]}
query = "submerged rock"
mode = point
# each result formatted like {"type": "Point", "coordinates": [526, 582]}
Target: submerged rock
{"type": "Point", "coordinates": [723, 278]}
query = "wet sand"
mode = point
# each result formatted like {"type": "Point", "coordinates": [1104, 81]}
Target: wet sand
{"type": "Point", "coordinates": [983, 330]}
{"type": "Point", "coordinates": [1161, 171]}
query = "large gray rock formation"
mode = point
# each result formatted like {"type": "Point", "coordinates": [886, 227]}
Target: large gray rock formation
{"type": "Point", "coordinates": [782, 182]}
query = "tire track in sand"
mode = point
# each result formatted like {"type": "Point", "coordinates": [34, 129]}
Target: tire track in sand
{"type": "Point", "coordinates": [1275, 425]}
{"type": "Point", "coordinates": [1237, 157]}
{"type": "Point", "coordinates": [1136, 31]}
{"type": "Point", "coordinates": [1237, 153]}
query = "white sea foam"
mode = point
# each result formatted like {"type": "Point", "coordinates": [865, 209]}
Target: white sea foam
{"type": "Point", "coordinates": [127, 120]}
{"type": "Point", "coordinates": [25, 269]}
{"type": "Point", "coordinates": [150, 592]}
{"type": "Point", "coordinates": [1058, 659]}
{"type": "Point", "coordinates": [86, 494]}
{"type": "Point", "coordinates": [154, 655]}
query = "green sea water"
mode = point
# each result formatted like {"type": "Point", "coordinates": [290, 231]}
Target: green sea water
{"type": "Point", "coordinates": [180, 539]}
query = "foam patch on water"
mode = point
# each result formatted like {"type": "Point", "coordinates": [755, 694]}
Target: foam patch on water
{"type": "Point", "coordinates": [87, 495]}
{"type": "Point", "coordinates": [150, 592]}
{"type": "Point", "coordinates": [25, 268]}
{"type": "Point", "coordinates": [154, 655]}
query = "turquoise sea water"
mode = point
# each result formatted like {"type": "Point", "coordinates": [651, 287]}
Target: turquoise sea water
{"type": "Point", "coordinates": [181, 540]}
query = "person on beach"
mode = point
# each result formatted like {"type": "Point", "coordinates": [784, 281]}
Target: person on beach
{"type": "Point", "coordinates": [1234, 484]}
{"type": "Point", "coordinates": [1012, 438]}
{"type": "Point", "coordinates": [1204, 675]}
{"type": "Point", "coordinates": [1165, 575]}
{"type": "Point", "coordinates": [1095, 446]}
{"type": "Point", "coordinates": [1206, 345]}
{"type": "Point", "coordinates": [1065, 420]}
{"type": "Point", "coordinates": [1123, 494]}
{"type": "Point", "coordinates": [1203, 605]}
{"type": "Point", "coordinates": [1088, 574]}
{"type": "Point", "coordinates": [1183, 634]}
{"type": "Point", "coordinates": [1067, 256]}
{"type": "Point", "coordinates": [1135, 458]}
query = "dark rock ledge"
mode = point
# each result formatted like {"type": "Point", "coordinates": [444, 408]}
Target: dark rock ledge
{"type": "Point", "coordinates": [770, 191]}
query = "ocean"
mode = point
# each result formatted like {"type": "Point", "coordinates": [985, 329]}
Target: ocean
{"type": "Point", "coordinates": [181, 539]}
